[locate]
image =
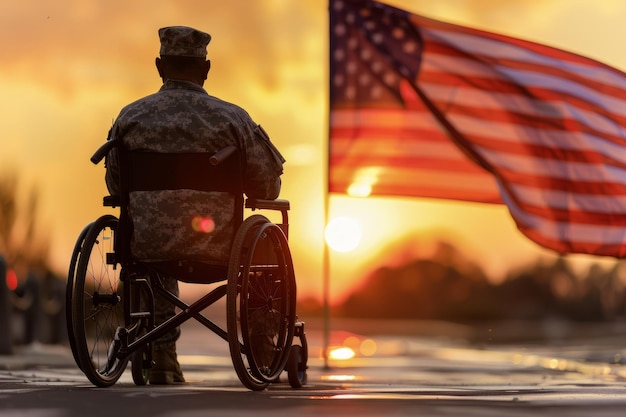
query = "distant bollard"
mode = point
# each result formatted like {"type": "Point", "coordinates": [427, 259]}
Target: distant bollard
{"type": "Point", "coordinates": [6, 345]}
{"type": "Point", "coordinates": [53, 330]}
{"type": "Point", "coordinates": [33, 314]}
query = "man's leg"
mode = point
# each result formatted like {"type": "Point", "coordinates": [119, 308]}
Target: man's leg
{"type": "Point", "coordinates": [166, 368]}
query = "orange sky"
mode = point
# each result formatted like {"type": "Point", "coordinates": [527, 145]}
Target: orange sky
{"type": "Point", "coordinates": [68, 66]}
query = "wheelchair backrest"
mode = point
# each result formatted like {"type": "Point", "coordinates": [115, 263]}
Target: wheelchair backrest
{"type": "Point", "coordinates": [153, 171]}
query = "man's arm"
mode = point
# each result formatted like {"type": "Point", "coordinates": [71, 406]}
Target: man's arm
{"type": "Point", "coordinates": [111, 163]}
{"type": "Point", "coordinates": [264, 167]}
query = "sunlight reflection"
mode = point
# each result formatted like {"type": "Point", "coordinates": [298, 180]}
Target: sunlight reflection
{"type": "Point", "coordinates": [362, 185]}
{"type": "Point", "coordinates": [338, 378]}
{"type": "Point", "coordinates": [351, 346]}
{"type": "Point", "coordinates": [341, 353]}
{"type": "Point", "coordinates": [359, 190]}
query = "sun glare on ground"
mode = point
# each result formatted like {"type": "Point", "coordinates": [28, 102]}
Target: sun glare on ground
{"type": "Point", "coordinates": [343, 234]}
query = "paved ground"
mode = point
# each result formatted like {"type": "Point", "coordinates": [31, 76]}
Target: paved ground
{"type": "Point", "coordinates": [391, 375]}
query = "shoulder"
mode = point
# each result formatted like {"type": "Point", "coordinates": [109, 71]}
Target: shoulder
{"type": "Point", "coordinates": [141, 103]}
{"type": "Point", "coordinates": [229, 107]}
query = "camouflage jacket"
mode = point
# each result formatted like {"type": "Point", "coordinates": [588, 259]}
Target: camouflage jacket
{"type": "Point", "coordinates": [182, 117]}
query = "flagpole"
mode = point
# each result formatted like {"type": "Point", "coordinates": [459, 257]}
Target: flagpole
{"type": "Point", "coordinates": [326, 281]}
{"type": "Point", "coordinates": [326, 250]}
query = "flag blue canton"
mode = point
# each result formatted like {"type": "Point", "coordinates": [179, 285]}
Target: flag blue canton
{"type": "Point", "coordinates": [373, 49]}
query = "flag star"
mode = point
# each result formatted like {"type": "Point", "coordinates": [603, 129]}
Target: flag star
{"type": "Point", "coordinates": [339, 80]}
{"type": "Point", "coordinates": [389, 78]}
{"type": "Point", "coordinates": [376, 92]}
{"type": "Point", "coordinates": [410, 47]}
{"type": "Point", "coordinates": [350, 93]}
{"type": "Point", "coordinates": [340, 30]}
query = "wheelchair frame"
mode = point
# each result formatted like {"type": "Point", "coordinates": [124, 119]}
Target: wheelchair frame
{"type": "Point", "coordinates": [110, 295]}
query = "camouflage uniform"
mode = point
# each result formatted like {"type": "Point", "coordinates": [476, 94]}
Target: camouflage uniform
{"type": "Point", "coordinates": [182, 117]}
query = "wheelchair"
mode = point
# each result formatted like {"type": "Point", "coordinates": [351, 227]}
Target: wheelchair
{"type": "Point", "coordinates": [110, 295]}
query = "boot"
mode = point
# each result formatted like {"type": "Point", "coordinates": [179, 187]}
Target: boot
{"type": "Point", "coordinates": [166, 369]}
{"type": "Point", "coordinates": [263, 329]}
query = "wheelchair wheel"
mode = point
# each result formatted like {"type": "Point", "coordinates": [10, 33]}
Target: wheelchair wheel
{"type": "Point", "coordinates": [261, 298]}
{"type": "Point", "coordinates": [139, 371]}
{"type": "Point", "coordinates": [69, 292]}
{"type": "Point", "coordinates": [296, 367]}
{"type": "Point", "coordinates": [97, 306]}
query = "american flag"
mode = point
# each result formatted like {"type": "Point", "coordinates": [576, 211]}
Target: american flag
{"type": "Point", "coordinates": [424, 108]}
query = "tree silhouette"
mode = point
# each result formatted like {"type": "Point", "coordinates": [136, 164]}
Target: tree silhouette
{"type": "Point", "coordinates": [19, 237]}
{"type": "Point", "coordinates": [449, 286]}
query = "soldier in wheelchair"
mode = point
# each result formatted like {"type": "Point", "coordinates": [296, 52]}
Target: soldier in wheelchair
{"type": "Point", "coordinates": [178, 165]}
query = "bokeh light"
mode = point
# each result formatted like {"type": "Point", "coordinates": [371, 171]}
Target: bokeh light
{"type": "Point", "coordinates": [342, 353]}
{"type": "Point", "coordinates": [203, 224]}
{"type": "Point", "coordinates": [368, 347]}
{"type": "Point", "coordinates": [11, 279]}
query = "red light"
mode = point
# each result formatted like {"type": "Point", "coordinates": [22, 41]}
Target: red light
{"type": "Point", "coordinates": [11, 279]}
{"type": "Point", "coordinates": [203, 224]}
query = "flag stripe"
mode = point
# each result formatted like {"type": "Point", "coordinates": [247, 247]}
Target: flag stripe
{"type": "Point", "coordinates": [545, 89]}
{"type": "Point", "coordinates": [600, 233]}
{"type": "Point", "coordinates": [544, 72]}
{"type": "Point", "coordinates": [431, 183]}
{"type": "Point", "coordinates": [545, 183]}
{"type": "Point", "coordinates": [599, 132]}
{"type": "Point", "coordinates": [384, 140]}
{"type": "Point", "coordinates": [502, 48]}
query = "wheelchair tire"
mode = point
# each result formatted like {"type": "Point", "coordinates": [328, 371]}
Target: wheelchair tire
{"type": "Point", "coordinates": [69, 292]}
{"type": "Point", "coordinates": [296, 367]}
{"type": "Point", "coordinates": [261, 296]}
{"type": "Point", "coordinates": [97, 306]}
{"type": "Point", "coordinates": [139, 372]}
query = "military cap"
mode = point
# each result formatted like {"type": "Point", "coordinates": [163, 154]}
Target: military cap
{"type": "Point", "coordinates": [183, 41]}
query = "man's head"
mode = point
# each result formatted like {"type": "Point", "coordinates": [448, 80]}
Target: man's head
{"type": "Point", "coordinates": [183, 54]}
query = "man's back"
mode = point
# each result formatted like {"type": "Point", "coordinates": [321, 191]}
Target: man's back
{"type": "Point", "coordinates": [182, 117]}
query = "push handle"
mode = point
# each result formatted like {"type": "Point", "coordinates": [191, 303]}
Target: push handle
{"type": "Point", "coordinates": [223, 154]}
{"type": "Point", "coordinates": [103, 151]}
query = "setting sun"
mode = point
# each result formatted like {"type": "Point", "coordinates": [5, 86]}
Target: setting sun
{"type": "Point", "coordinates": [343, 234]}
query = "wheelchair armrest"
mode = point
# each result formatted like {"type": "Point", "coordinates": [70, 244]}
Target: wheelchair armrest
{"type": "Point", "coordinates": [111, 201]}
{"type": "Point", "coordinates": [278, 204]}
